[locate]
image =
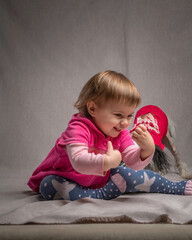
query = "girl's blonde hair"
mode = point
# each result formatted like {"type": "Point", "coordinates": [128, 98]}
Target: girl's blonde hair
{"type": "Point", "coordinates": [105, 86]}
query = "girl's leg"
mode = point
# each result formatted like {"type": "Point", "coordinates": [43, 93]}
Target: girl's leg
{"type": "Point", "coordinates": [54, 187]}
{"type": "Point", "coordinates": [122, 180]}
{"type": "Point", "coordinates": [128, 180]}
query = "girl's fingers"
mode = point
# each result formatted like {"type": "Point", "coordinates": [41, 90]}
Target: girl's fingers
{"type": "Point", "coordinates": [135, 135]}
{"type": "Point", "coordinates": [140, 132]}
{"type": "Point", "coordinates": [142, 127]}
{"type": "Point", "coordinates": [109, 148]}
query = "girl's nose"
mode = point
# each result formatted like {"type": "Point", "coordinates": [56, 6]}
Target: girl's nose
{"type": "Point", "coordinates": [125, 123]}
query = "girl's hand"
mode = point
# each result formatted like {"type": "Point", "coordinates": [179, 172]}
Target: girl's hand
{"type": "Point", "coordinates": [145, 141]}
{"type": "Point", "coordinates": [112, 158]}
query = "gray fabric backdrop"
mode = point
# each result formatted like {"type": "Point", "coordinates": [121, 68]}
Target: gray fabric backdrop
{"type": "Point", "coordinates": [49, 49]}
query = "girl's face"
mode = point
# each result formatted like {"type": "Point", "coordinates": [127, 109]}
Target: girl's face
{"type": "Point", "coordinates": [112, 117]}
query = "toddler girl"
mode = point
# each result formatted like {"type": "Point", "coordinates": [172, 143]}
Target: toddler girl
{"type": "Point", "coordinates": [85, 159]}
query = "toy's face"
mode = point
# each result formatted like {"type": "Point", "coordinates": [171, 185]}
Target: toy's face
{"type": "Point", "coordinates": [149, 121]}
{"type": "Point", "coordinates": [156, 122]}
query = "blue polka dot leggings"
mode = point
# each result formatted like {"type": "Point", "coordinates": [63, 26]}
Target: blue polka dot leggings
{"type": "Point", "coordinates": [122, 180]}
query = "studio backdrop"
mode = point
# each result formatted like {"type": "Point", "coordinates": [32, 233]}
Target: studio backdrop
{"type": "Point", "coordinates": [50, 48]}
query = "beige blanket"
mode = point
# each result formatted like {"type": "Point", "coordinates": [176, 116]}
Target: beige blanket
{"type": "Point", "coordinates": [18, 205]}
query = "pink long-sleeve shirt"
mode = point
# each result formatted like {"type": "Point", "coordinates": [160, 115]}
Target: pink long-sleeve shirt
{"type": "Point", "coordinates": [78, 155]}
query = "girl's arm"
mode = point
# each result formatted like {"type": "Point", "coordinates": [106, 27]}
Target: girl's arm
{"type": "Point", "coordinates": [137, 156]}
{"type": "Point", "coordinates": [91, 163]}
{"type": "Point", "coordinates": [132, 157]}
{"type": "Point", "coordinates": [85, 162]}
{"type": "Point", "coordinates": [145, 141]}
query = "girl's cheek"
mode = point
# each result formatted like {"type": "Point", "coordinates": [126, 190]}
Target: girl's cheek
{"type": "Point", "coordinates": [129, 123]}
{"type": "Point", "coordinates": [114, 120]}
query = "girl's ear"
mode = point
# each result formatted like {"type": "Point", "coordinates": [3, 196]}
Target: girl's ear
{"type": "Point", "coordinates": [91, 108]}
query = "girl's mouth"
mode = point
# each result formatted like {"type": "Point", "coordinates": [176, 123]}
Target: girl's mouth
{"type": "Point", "coordinates": [117, 129]}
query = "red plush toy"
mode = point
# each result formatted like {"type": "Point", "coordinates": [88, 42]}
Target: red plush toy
{"type": "Point", "coordinates": [162, 130]}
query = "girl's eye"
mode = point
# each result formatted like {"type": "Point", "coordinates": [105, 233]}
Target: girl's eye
{"type": "Point", "coordinates": [130, 116]}
{"type": "Point", "coordinates": [118, 115]}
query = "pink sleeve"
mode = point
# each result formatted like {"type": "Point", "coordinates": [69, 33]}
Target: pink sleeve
{"type": "Point", "coordinates": [131, 156]}
{"type": "Point", "coordinates": [126, 140]}
{"type": "Point", "coordinates": [85, 162]}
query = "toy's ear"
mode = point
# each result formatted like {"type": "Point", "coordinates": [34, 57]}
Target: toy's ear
{"type": "Point", "coordinates": [91, 108]}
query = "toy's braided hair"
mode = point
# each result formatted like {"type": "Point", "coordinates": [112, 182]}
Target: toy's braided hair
{"type": "Point", "coordinates": [160, 161]}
